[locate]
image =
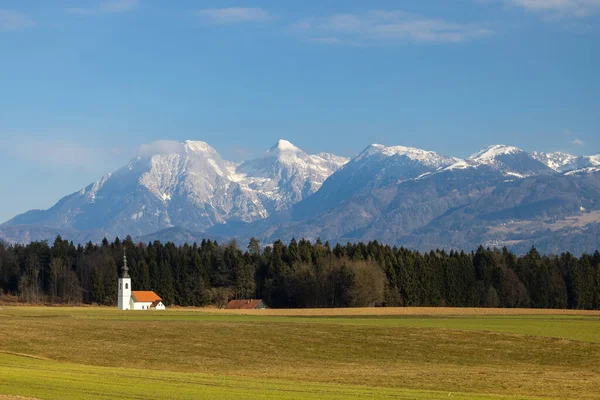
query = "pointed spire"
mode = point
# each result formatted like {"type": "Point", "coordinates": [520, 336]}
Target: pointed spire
{"type": "Point", "coordinates": [125, 269]}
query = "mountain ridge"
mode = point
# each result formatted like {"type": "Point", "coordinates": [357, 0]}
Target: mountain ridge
{"type": "Point", "coordinates": [396, 194]}
{"type": "Point", "coordinates": [189, 186]}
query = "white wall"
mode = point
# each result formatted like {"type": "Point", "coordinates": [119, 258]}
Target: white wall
{"type": "Point", "coordinates": [141, 305]}
{"type": "Point", "coordinates": [160, 306]}
{"type": "Point", "coordinates": [124, 294]}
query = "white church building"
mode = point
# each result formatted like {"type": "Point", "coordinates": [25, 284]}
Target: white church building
{"type": "Point", "coordinates": [136, 300]}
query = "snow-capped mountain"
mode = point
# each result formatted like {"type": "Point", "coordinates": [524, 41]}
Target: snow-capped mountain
{"type": "Point", "coordinates": [376, 166]}
{"type": "Point", "coordinates": [558, 161]}
{"type": "Point", "coordinates": [509, 160]}
{"type": "Point", "coordinates": [396, 194]}
{"type": "Point", "coordinates": [379, 163]}
{"type": "Point", "coordinates": [407, 154]}
{"type": "Point", "coordinates": [190, 187]}
{"type": "Point", "coordinates": [500, 196]}
{"type": "Point", "coordinates": [285, 174]}
{"type": "Point", "coordinates": [564, 162]}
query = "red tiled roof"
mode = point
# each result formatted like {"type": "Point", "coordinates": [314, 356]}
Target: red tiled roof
{"type": "Point", "coordinates": [155, 303]}
{"type": "Point", "coordinates": [242, 304]}
{"type": "Point", "coordinates": [145, 296]}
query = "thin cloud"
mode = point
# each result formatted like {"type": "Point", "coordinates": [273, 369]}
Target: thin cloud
{"type": "Point", "coordinates": [233, 15]}
{"type": "Point", "coordinates": [378, 26]}
{"type": "Point", "coordinates": [560, 8]}
{"type": "Point", "coordinates": [328, 40]}
{"type": "Point", "coordinates": [106, 7]}
{"type": "Point", "coordinates": [575, 141]}
{"type": "Point", "coordinates": [13, 21]}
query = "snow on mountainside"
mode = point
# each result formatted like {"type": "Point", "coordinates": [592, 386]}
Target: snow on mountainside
{"type": "Point", "coordinates": [583, 171]}
{"type": "Point", "coordinates": [558, 161]}
{"type": "Point", "coordinates": [417, 156]}
{"type": "Point", "coordinates": [423, 200]}
{"type": "Point", "coordinates": [374, 167]}
{"type": "Point", "coordinates": [195, 169]}
{"type": "Point", "coordinates": [509, 160]}
{"type": "Point", "coordinates": [491, 153]}
{"type": "Point", "coordinates": [564, 162]}
{"type": "Point", "coordinates": [191, 187]}
{"type": "Point", "coordinates": [589, 161]}
{"type": "Point", "coordinates": [396, 194]}
{"type": "Point", "coordinates": [285, 174]}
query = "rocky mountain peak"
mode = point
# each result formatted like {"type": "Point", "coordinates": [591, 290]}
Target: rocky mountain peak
{"type": "Point", "coordinates": [392, 193]}
{"type": "Point", "coordinates": [283, 145]}
{"type": "Point", "coordinates": [426, 158]}
{"type": "Point", "coordinates": [509, 160]}
{"type": "Point", "coordinates": [198, 146]}
{"type": "Point", "coordinates": [188, 185]}
{"type": "Point", "coordinates": [492, 152]}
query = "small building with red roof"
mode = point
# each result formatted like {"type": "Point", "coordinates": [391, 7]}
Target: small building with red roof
{"type": "Point", "coordinates": [246, 305]}
{"type": "Point", "coordinates": [146, 300]}
{"type": "Point", "coordinates": [129, 299]}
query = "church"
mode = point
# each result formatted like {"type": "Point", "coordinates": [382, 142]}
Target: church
{"type": "Point", "coordinates": [136, 300]}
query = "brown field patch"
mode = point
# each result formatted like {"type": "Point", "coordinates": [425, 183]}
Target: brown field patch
{"type": "Point", "coordinates": [394, 311]}
{"type": "Point", "coordinates": [2, 397]}
{"type": "Point", "coordinates": [479, 354]}
{"type": "Point", "coordinates": [573, 222]}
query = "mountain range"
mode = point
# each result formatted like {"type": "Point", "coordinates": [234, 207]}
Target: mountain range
{"type": "Point", "coordinates": [499, 196]}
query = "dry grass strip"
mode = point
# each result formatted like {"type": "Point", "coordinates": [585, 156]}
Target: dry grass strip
{"type": "Point", "coordinates": [393, 311]}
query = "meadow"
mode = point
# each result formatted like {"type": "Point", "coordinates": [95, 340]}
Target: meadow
{"type": "Point", "coordinates": [396, 353]}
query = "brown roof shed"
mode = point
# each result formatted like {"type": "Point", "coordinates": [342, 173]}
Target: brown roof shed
{"type": "Point", "coordinates": [246, 305]}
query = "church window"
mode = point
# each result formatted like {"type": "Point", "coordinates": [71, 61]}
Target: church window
{"type": "Point", "coordinates": [127, 286]}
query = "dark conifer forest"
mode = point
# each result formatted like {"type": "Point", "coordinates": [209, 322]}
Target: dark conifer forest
{"type": "Point", "coordinates": [299, 274]}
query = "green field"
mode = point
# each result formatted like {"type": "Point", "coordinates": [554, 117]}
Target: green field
{"type": "Point", "coordinates": [98, 353]}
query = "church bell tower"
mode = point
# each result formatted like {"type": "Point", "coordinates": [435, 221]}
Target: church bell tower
{"type": "Point", "coordinates": [124, 286]}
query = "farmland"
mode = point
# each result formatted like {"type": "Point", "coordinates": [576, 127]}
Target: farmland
{"type": "Point", "coordinates": [417, 353]}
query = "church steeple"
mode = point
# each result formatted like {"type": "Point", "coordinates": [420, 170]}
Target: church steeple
{"type": "Point", "coordinates": [125, 268]}
{"type": "Point", "coordinates": [124, 299]}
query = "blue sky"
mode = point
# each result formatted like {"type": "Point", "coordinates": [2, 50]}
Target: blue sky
{"type": "Point", "coordinates": [85, 83]}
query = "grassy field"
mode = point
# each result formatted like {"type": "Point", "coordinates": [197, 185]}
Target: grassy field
{"type": "Point", "coordinates": [83, 353]}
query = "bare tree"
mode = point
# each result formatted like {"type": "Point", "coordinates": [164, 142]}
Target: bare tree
{"type": "Point", "coordinates": [369, 286]}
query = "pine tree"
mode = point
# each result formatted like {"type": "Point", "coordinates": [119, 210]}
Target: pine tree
{"type": "Point", "coordinates": [254, 247]}
{"type": "Point", "coordinates": [143, 278]}
{"type": "Point", "coordinates": [301, 274]}
{"type": "Point", "coordinates": [97, 287]}
{"type": "Point", "coordinates": [293, 253]}
{"type": "Point", "coordinates": [165, 287]}
{"type": "Point", "coordinates": [111, 279]}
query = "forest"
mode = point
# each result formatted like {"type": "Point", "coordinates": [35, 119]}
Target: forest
{"type": "Point", "coordinates": [299, 274]}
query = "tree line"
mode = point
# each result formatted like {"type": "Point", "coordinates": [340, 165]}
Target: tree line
{"type": "Point", "coordinates": [299, 274]}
